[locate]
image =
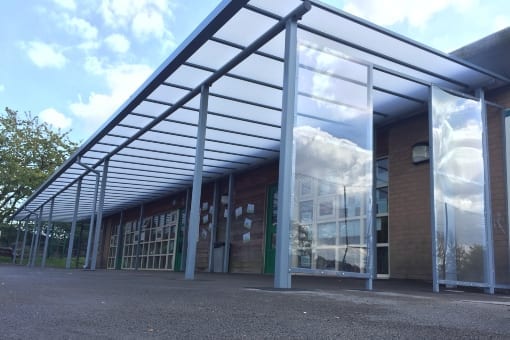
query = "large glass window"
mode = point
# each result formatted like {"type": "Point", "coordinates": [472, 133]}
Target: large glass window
{"type": "Point", "coordinates": [381, 207]}
{"type": "Point", "coordinates": [157, 242]}
{"type": "Point", "coordinates": [332, 215]}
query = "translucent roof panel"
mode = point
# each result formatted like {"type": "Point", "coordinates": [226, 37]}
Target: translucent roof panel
{"type": "Point", "coordinates": [238, 52]}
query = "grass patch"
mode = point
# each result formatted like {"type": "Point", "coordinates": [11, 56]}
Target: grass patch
{"type": "Point", "coordinates": [54, 262]}
{"type": "Point", "coordinates": [5, 259]}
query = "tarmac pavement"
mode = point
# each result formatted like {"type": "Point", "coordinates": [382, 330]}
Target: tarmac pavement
{"type": "Point", "coordinates": [77, 304]}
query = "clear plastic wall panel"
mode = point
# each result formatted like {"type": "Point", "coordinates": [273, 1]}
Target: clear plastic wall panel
{"type": "Point", "coordinates": [458, 187]}
{"type": "Point", "coordinates": [113, 140]}
{"type": "Point", "coordinates": [167, 94]}
{"type": "Point", "coordinates": [332, 215]}
{"type": "Point", "coordinates": [244, 111]}
{"type": "Point", "coordinates": [149, 109]}
{"type": "Point", "coordinates": [222, 54]}
{"type": "Point", "coordinates": [253, 26]}
{"type": "Point", "coordinates": [188, 76]}
{"type": "Point", "coordinates": [243, 90]}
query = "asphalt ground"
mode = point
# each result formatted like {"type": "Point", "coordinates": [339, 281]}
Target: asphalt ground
{"type": "Point", "coordinates": [77, 304]}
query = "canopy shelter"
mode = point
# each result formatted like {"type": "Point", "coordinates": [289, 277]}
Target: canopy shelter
{"type": "Point", "coordinates": [236, 68]}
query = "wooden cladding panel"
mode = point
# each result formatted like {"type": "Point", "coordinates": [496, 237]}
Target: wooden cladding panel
{"type": "Point", "coordinates": [247, 256]}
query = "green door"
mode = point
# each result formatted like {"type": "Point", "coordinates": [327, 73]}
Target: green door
{"type": "Point", "coordinates": [271, 214]}
{"type": "Point", "coordinates": [179, 241]}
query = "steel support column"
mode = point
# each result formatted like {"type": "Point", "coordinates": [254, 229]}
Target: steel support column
{"type": "Point", "coordinates": [92, 220]}
{"type": "Point", "coordinates": [120, 243]}
{"type": "Point", "coordinates": [32, 242]}
{"type": "Point", "coordinates": [37, 235]}
{"type": "Point", "coordinates": [228, 227]}
{"type": "Point", "coordinates": [214, 225]}
{"type": "Point", "coordinates": [435, 269]}
{"type": "Point", "coordinates": [73, 225]}
{"type": "Point", "coordinates": [371, 220]}
{"type": "Point", "coordinates": [24, 240]}
{"type": "Point", "coordinates": [15, 251]}
{"type": "Point", "coordinates": [99, 222]}
{"type": "Point", "coordinates": [186, 229]}
{"type": "Point", "coordinates": [139, 231]}
{"type": "Point", "coordinates": [197, 186]}
{"type": "Point", "coordinates": [490, 272]}
{"type": "Point", "coordinates": [282, 276]}
{"type": "Point", "coordinates": [49, 229]}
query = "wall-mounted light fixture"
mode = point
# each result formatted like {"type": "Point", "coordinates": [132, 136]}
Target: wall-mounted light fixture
{"type": "Point", "coordinates": [420, 152]}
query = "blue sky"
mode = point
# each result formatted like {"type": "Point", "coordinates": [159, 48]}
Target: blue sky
{"type": "Point", "coordinates": [73, 63]}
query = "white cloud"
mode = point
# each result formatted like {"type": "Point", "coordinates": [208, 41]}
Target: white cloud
{"type": "Point", "coordinates": [55, 118]}
{"type": "Point", "coordinates": [2, 87]}
{"type": "Point", "coordinates": [122, 80]}
{"type": "Point", "coordinates": [93, 65]}
{"type": "Point", "coordinates": [145, 18]}
{"type": "Point", "coordinates": [79, 27]}
{"type": "Point", "coordinates": [67, 4]}
{"type": "Point", "coordinates": [120, 13]}
{"type": "Point", "coordinates": [44, 55]}
{"type": "Point", "coordinates": [117, 43]}
{"type": "Point", "coordinates": [415, 13]}
{"type": "Point", "coordinates": [148, 23]}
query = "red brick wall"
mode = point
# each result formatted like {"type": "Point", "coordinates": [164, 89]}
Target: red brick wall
{"type": "Point", "coordinates": [204, 233]}
{"type": "Point", "coordinates": [500, 223]}
{"type": "Point", "coordinates": [409, 205]}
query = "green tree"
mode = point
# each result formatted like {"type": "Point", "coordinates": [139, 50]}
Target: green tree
{"type": "Point", "coordinates": [30, 151]}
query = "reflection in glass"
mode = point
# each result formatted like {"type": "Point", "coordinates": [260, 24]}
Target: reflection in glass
{"type": "Point", "coordinates": [326, 233]}
{"type": "Point", "coordinates": [333, 153]}
{"type": "Point", "coordinates": [458, 187]}
{"type": "Point", "coordinates": [350, 232]}
{"type": "Point", "coordinates": [382, 172]}
{"type": "Point", "coordinates": [382, 229]}
{"type": "Point", "coordinates": [306, 211]}
{"type": "Point", "coordinates": [326, 259]}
